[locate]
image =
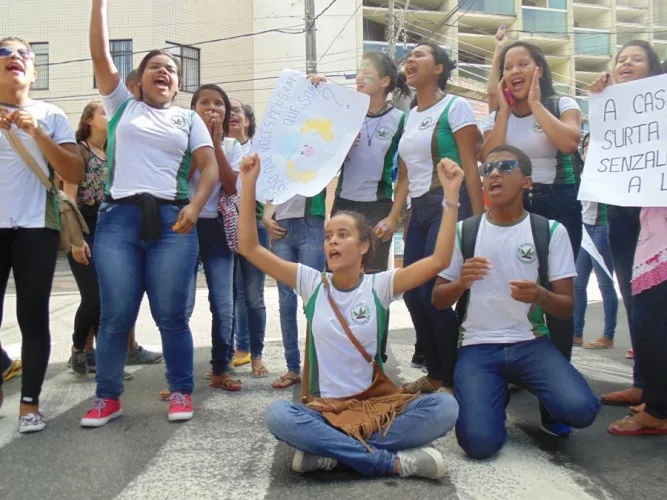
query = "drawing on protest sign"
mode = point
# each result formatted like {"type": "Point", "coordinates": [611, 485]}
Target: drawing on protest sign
{"type": "Point", "coordinates": [305, 136]}
{"type": "Point", "coordinates": [627, 156]}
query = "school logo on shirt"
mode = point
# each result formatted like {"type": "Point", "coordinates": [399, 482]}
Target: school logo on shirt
{"type": "Point", "coordinates": [180, 121]}
{"type": "Point", "coordinates": [360, 314]}
{"type": "Point", "coordinates": [526, 253]}
{"type": "Point", "coordinates": [426, 123]}
{"type": "Point", "coordinates": [537, 128]}
{"type": "Point", "coordinates": [383, 134]}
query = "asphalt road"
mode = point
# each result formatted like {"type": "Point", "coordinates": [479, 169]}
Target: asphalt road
{"type": "Point", "coordinates": [225, 452]}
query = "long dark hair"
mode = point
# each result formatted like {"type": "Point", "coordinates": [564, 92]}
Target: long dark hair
{"type": "Point", "coordinates": [441, 56]}
{"type": "Point", "coordinates": [654, 65]}
{"type": "Point", "coordinates": [144, 64]}
{"type": "Point", "coordinates": [225, 99]}
{"type": "Point", "coordinates": [249, 113]}
{"type": "Point", "coordinates": [536, 54]}
{"type": "Point", "coordinates": [385, 66]}
{"type": "Point", "coordinates": [83, 130]}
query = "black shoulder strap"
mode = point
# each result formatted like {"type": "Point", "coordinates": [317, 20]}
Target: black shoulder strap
{"type": "Point", "coordinates": [542, 237]}
{"type": "Point", "coordinates": [469, 230]}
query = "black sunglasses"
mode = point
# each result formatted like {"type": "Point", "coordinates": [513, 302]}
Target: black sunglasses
{"type": "Point", "coordinates": [24, 54]}
{"type": "Point", "coordinates": [504, 167]}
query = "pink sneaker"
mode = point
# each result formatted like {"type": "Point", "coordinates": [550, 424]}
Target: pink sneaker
{"type": "Point", "coordinates": [102, 412]}
{"type": "Point", "coordinates": [180, 407]}
{"type": "Point", "coordinates": [630, 354]}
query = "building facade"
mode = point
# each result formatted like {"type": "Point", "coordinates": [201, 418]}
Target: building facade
{"type": "Point", "coordinates": [58, 32]}
{"type": "Point", "coordinates": [579, 37]}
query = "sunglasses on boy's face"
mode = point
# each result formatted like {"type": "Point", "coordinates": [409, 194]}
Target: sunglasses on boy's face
{"type": "Point", "coordinates": [24, 54]}
{"type": "Point", "coordinates": [504, 167]}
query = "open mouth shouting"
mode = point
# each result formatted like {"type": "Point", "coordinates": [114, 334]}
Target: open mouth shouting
{"type": "Point", "coordinates": [495, 187]}
{"type": "Point", "coordinates": [411, 71]}
{"type": "Point", "coordinates": [16, 67]}
{"type": "Point", "coordinates": [233, 121]}
{"type": "Point", "coordinates": [334, 254]}
{"type": "Point", "coordinates": [517, 83]}
{"type": "Point", "coordinates": [162, 82]}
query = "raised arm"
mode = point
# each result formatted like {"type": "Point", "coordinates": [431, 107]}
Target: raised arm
{"type": "Point", "coordinates": [492, 85]}
{"type": "Point", "coordinates": [497, 135]}
{"type": "Point", "coordinates": [249, 245]}
{"type": "Point", "coordinates": [106, 73]}
{"type": "Point", "coordinates": [564, 132]}
{"type": "Point", "coordinates": [407, 278]}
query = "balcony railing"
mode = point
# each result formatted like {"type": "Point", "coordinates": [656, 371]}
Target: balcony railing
{"type": "Point", "coordinates": [592, 42]}
{"type": "Point", "coordinates": [402, 51]}
{"type": "Point", "coordinates": [502, 7]}
{"type": "Point", "coordinates": [545, 21]}
{"type": "Point", "coordinates": [478, 72]}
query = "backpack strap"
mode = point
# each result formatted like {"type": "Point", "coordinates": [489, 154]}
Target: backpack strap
{"type": "Point", "coordinates": [541, 230]}
{"type": "Point", "coordinates": [469, 231]}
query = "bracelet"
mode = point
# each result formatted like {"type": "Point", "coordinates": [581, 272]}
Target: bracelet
{"type": "Point", "coordinates": [447, 203]}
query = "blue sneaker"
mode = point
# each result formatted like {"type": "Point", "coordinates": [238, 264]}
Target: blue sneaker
{"type": "Point", "coordinates": [555, 429]}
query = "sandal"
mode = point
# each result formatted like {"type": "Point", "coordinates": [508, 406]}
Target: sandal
{"type": "Point", "coordinates": [422, 385]}
{"type": "Point", "coordinates": [14, 370]}
{"type": "Point", "coordinates": [225, 382]}
{"type": "Point", "coordinates": [260, 371]}
{"type": "Point", "coordinates": [164, 394]}
{"type": "Point", "coordinates": [641, 424]}
{"type": "Point", "coordinates": [286, 381]}
{"type": "Point", "coordinates": [598, 344]}
{"type": "Point", "coordinates": [620, 398]}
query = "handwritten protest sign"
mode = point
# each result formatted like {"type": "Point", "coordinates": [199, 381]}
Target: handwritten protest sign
{"type": "Point", "coordinates": [627, 156]}
{"type": "Point", "coordinates": [305, 136]}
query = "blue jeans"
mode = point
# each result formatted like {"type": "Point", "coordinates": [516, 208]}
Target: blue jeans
{"type": "Point", "coordinates": [128, 266]}
{"type": "Point", "coordinates": [423, 421]}
{"type": "Point", "coordinates": [303, 243]}
{"type": "Point", "coordinates": [559, 202]}
{"type": "Point", "coordinates": [585, 264]}
{"type": "Point", "coordinates": [218, 261]}
{"type": "Point", "coordinates": [437, 331]}
{"type": "Point", "coordinates": [623, 227]}
{"type": "Point", "coordinates": [481, 389]}
{"type": "Point", "coordinates": [249, 308]}
{"type": "Point", "coordinates": [649, 321]}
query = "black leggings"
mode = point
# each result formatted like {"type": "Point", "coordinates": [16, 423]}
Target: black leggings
{"type": "Point", "coordinates": [87, 316]}
{"type": "Point", "coordinates": [31, 254]}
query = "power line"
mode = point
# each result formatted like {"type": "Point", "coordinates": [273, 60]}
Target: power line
{"type": "Point", "coordinates": [341, 31]}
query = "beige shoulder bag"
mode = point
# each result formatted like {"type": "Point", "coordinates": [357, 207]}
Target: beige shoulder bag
{"type": "Point", "coordinates": [72, 223]}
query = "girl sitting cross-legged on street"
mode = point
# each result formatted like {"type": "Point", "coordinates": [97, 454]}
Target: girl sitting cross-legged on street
{"type": "Point", "coordinates": [343, 349]}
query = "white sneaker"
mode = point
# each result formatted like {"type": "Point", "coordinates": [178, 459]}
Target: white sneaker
{"type": "Point", "coordinates": [32, 422]}
{"type": "Point", "coordinates": [305, 462]}
{"type": "Point", "coordinates": [421, 462]}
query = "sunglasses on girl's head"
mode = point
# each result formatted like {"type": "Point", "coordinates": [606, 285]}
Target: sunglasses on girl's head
{"type": "Point", "coordinates": [24, 54]}
{"type": "Point", "coordinates": [504, 167]}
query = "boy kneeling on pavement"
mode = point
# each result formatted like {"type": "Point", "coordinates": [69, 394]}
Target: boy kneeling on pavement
{"type": "Point", "coordinates": [502, 309]}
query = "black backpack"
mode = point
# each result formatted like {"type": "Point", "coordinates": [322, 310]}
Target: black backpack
{"type": "Point", "coordinates": [541, 237]}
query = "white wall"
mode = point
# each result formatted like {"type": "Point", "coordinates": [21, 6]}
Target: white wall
{"type": "Point", "coordinates": [274, 52]}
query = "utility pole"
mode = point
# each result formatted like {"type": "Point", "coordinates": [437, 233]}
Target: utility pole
{"type": "Point", "coordinates": [311, 40]}
{"type": "Point", "coordinates": [391, 38]}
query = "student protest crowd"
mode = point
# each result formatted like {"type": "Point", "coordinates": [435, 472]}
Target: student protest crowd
{"type": "Point", "coordinates": [497, 260]}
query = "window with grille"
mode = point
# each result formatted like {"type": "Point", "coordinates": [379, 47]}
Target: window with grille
{"type": "Point", "coordinates": [41, 51]}
{"type": "Point", "coordinates": [189, 59]}
{"type": "Point", "coordinates": [121, 53]}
